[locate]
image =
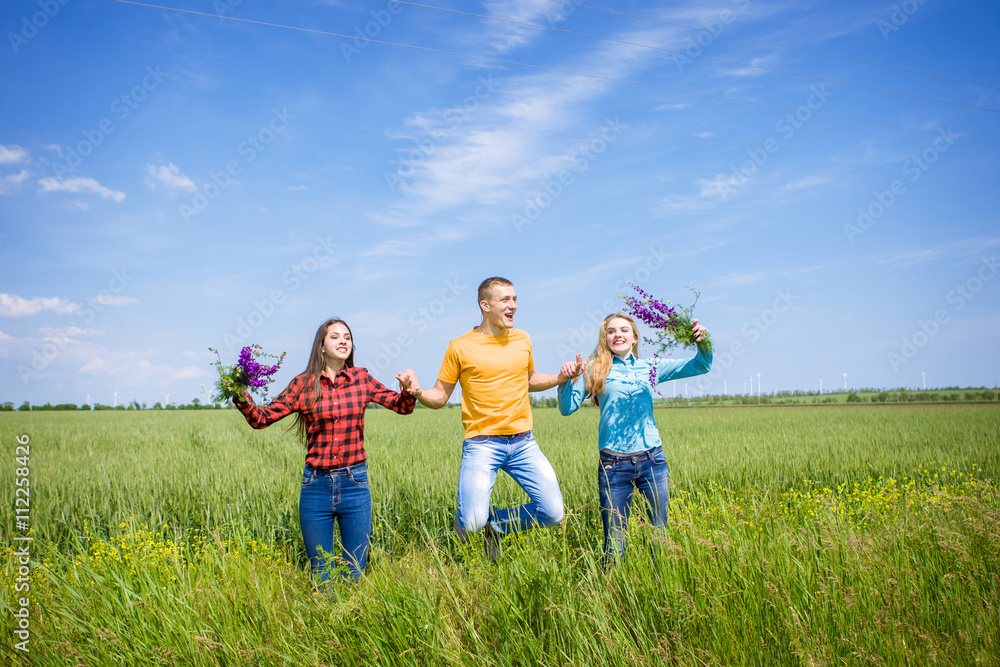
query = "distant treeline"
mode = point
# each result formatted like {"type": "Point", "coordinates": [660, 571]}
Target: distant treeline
{"type": "Point", "coordinates": [195, 404]}
{"type": "Point", "coordinates": [855, 396]}
{"type": "Point", "coordinates": [797, 397]}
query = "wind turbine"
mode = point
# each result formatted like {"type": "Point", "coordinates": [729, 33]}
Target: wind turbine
{"type": "Point", "coordinates": [685, 390]}
{"type": "Point", "coordinates": [751, 385]}
{"type": "Point", "coordinates": [923, 375]}
{"type": "Point", "coordinates": [758, 384]}
{"type": "Point", "coordinates": [725, 388]}
{"type": "Point", "coordinates": [166, 400]}
{"type": "Point", "coordinates": [821, 385]}
{"type": "Point", "coordinates": [845, 381]}
{"type": "Point", "coordinates": [116, 398]}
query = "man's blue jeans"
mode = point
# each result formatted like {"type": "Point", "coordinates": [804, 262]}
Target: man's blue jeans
{"type": "Point", "coordinates": [340, 496]}
{"type": "Point", "coordinates": [519, 456]}
{"type": "Point", "coordinates": [618, 476]}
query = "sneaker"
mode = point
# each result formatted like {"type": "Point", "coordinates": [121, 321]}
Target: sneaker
{"type": "Point", "coordinates": [491, 543]}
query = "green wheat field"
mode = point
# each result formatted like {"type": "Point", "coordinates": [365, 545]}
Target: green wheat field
{"type": "Point", "coordinates": [797, 536]}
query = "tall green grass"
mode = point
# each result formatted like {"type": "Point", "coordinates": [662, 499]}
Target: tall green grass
{"type": "Point", "coordinates": [796, 536]}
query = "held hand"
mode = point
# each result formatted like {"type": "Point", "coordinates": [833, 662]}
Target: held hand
{"type": "Point", "coordinates": [698, 330]}
{"type": "Point", "coordinates": [572, 369]}
{"type": "Point", "coordinates": [408, 382]}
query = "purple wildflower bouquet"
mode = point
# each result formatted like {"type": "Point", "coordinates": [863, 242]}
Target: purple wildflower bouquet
{"type": "Point", "coordinates": [248, 374]}
{"type": "Point", "coordinates": [670, 322]}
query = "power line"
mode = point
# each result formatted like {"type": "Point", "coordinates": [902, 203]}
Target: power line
{"type": "Point", "coordinates": [552, 69]}
{"type": "Point", "coordinates": [779, 46]}
{"type": "Point", "coordinates": [692, 55]}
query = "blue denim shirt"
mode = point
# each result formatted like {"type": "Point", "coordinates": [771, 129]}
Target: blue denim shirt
{"type": "Point", "coordinates": [626, 403]}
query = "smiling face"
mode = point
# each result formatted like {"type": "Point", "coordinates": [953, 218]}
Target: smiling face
{"type": "Point", "coordinates": [499, 308]}
{"type": "Point", "coordinates": [337, 344]}
{"type": "Point", "coordinates": [620, 336]}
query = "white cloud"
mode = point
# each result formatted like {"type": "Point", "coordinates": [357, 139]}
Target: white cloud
{"type": "Point", "coordinates": [98, 366]}
{"type": "Point", "coordinates": [740, 278]}
{"type": "Point", "coordinates": [172, 177]}
{"type": "Point", "coordinates": [114, 300]}
{"type": "Point", "coordinates": [722, 186]}
{"type": "Point", "coordinates": [68, 331]}
{"type": "Point", "coordinates": [503, 36]}
{"type": "Point", "coordinates": [521, 129]}
{"type": "Point", "coordinates": [61, 341]}
{"type": "Point", "coordinates": [79, 184]}
{"type": "Point", "coordinates": [13, 154]}
{"type": "Point", "coordinates": [573, 283]}
{"type": "Point", "coordinates": [4, 336]}
{"type": "Point", "coordinates": [807, 182]}
{"type": "Point", "coordinates": [13, 182]}
{"type": "Point", "coordinates": [415, 245]}
{"type": "Point", "coordinates": [189, 373]}
{"type": "Point", "coordinates": [133, 368]}
{"type": "Point", "coordinates": [12, 305]}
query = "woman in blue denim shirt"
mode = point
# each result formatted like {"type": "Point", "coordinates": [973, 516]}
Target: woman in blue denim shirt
{"type": "Point", "coordinates": [631, 455]}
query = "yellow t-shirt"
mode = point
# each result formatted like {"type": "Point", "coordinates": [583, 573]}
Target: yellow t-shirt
{"type": "Point", "coordinates": [493, 373]}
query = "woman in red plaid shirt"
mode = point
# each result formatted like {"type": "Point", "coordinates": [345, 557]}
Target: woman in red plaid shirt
{"type": "Point", "coordinates": [329, 401]}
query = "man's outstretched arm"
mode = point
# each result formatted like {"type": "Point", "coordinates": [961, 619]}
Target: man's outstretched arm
{"type": "Point", "coordinates": [542, 381]}
{"type": "Point", "coordinates": [435, 397]}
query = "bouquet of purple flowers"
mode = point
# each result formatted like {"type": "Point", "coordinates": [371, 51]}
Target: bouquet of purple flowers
{"type": "Point", "coordinates": [248, 374]}
{"type": "Point", "coordinates": [670, 322]}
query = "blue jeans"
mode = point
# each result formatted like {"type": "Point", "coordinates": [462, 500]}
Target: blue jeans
{"type": "Point", "coordinates": [618, 476]}
{"type": "Point", "coordinates": [340, 496]}
{"type": "Point", "coordinates": [519, 456]}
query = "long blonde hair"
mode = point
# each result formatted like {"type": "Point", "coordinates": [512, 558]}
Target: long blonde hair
{"type": "Point", "coordinates": [599, 363]}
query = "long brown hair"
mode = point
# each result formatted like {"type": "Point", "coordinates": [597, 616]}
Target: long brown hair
{"type": "Point", "coordinates": [316, 366]}
{"type": "Point", "coordinates": [599, 363]}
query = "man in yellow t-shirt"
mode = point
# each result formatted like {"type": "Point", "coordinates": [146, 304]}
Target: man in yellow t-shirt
{"type": "Point", "coordinates": [493, 363]}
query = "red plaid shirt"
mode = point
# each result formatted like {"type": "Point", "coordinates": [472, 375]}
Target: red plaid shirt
{"type": "Point", "coordinates": [335, 424]}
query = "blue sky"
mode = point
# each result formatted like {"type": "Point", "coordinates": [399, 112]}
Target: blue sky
{"type": "Point", "coordinates": [171, 182]}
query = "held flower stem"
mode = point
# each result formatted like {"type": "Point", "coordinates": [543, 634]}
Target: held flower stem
{"type": "Point", "coordinates": [247, 375]}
